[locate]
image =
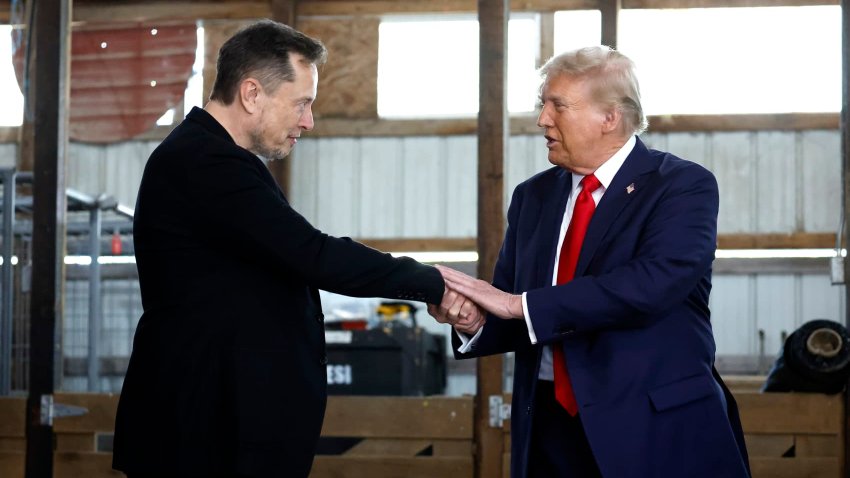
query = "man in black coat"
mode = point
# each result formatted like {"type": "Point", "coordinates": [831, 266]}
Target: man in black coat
{"type": "Point", "coordinates": [228, 372]}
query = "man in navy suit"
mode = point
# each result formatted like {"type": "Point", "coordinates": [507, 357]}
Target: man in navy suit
{"type": "Point", "coordinates": [601, 289]}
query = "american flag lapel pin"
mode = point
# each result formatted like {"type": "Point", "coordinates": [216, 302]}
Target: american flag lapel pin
{"type": "Point", "coordinates": [630, 188]}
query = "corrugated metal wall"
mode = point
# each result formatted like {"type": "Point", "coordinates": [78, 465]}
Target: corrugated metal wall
{"type": "Point", "coordinates": [770, 182]}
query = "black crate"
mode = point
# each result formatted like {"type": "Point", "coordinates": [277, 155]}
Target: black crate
{"type": "Point", "coordinates": [390, 361]}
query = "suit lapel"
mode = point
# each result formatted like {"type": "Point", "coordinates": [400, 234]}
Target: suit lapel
{"type": "Point", "coordinates": [551, 217]}
{"type": "Point", "coordinates": [632, 175]}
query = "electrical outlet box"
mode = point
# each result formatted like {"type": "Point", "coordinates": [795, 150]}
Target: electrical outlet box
{"type": "Point", "coordinates": [836, 270]}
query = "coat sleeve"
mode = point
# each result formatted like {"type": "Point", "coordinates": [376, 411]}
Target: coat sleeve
{"type": "Point", "coordinates": [500, 336]}
{"type": "Point", "coordinates": [241, 212]}
{"type": "Point", "coordinates": [674, 252]}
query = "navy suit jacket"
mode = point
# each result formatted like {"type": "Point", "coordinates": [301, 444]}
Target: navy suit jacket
{"type": "Point", "coordinates": [634, 323]}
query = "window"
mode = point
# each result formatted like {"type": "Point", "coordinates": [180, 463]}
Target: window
{"type": "Point", "coordinates": [428, 67]}
{"type": "Point", "coordinates": [12, 112]}
{"type": "Point", "coordinates": [736, 60]}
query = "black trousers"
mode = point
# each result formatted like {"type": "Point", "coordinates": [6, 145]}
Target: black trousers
{"type": "Point", "coordinates": [559, 447]}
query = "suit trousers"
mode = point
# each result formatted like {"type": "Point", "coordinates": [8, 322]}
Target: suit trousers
{"type": "Point", "coordinates": [559, 447]}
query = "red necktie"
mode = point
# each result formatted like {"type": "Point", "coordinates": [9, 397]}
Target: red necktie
{"type": "Point", "coordinates": [570, 249]}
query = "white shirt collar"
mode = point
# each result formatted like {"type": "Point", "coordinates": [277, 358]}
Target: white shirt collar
{"type": "Point", "coordinates": [606, 172]}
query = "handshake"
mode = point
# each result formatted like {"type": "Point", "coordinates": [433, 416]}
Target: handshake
{"type": "Point", "coordinates": [467, 300]}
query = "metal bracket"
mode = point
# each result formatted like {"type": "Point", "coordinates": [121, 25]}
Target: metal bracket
{"type": "Point", "coordinates": [50, 410]}
{"type": "Point", "coordinates": [499, 411]}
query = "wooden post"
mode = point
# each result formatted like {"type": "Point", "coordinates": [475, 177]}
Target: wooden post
{"type": "Point", "coordinates": [546, 49]}
{"type": "Point", "coordinates": [492, 150]}
{"type": "Point", "coordinates": [51, 40]}
{"type": "Point", "coordinates": [845, 169]}
{"type": "Point", "coordinates": [610, 10]}
{"type": "Point", "coordinates": [283, 11]}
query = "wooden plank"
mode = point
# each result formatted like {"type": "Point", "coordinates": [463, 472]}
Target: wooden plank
{"type": "Point", "coordinates": [11, 464]}
{"type": "Point", "coordinates": [744, 383]}
{"type": "Point", "coordinates": [796, 240]}
{"type": "Point", "coordinates": [768, 445]}
{"type": "Point", "coordinates": [163, 10]}
{"type": "Point", "coordinates": [47, 102]}
{"type": "Point", "coordinates": [723, 3]}
{"type": "Point", "coordinates": [398, 417]}
{"type": "Point", "coordinates": [88, 465]}
{"type": "Point", "coordinates": [139, 10]}
{"type": "Point", "coordinates": [370, 467]}
{"type": "Point", "coordinates": [610, 10]}
{"type": "Point", "coordinates": [352, 53]}
{"type": "Point", "coordinates": [794, 467]}
{"type": "Point", "coordinates": [452, 447]}
{"type": "Point", "coordinates": [520, 124]}
{"type": "Point", "coordinates": [75, 442]}
{"type": "Point", "coordinates": [15, 444]}
{"type": "Point", "coordinates": [493, 131]}
{"type": "Point", "coordinates": [388, 447]}
{"type": "Point", "coordinates": [12, 417]}
{"type": "Point", "coordinates": [819, 445]}
{"type": "Point", "coordinates": [426, 244]}
{"type": "Point", "coordinates": [100, 417]}
{"type": "Point", "coordinates": [380, 7]}
{"type": "Point", "coordinates": [796, 413]}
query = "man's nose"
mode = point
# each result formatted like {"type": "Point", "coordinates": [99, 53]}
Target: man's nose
{"type": "Point", "coordinates": [306, 122]}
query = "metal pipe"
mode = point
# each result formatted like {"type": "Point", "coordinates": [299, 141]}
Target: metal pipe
{"type": "Point", "coordinates": [8, 178]}
{"type": "Point", "coordinates": [94, 299]}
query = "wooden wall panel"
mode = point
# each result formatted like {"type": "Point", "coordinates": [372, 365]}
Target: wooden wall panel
{"type": "Point", "coordinates": [348, 82]}
{"type": "Point", "coordinates": [216, 32]}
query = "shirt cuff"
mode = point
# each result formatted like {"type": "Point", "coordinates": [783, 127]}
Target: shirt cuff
{"type": "Point", "coordinates": [531, 335]}
{"type": "Point", "coordinates": [467, 343]}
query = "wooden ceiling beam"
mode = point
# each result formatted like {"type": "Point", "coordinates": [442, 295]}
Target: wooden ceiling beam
{"type": "Point", "coordinates": [107, 11]}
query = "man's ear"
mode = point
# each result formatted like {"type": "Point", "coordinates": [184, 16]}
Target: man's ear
{"type": "Point", "coordinates": [249, 92]}
{"type": "Point", "coordinates": [613, 118]}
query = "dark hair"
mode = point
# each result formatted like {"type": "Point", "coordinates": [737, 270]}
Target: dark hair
{"type": "Point", "coordinates": [262, 50]}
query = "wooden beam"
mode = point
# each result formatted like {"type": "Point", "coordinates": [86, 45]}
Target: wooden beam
{"type": "Point", "coordinates": [429, 244]}
{"type": "Point", "coordinates": [283, 11]}
{"type": "Point", "coordinates": [493, 132]}
{"type": "Point", "coordinates": [522, 124]}
{"type": "Point", "coordinates": [527, 124]}
{"type": "Point", "coordinates": [51, 41]}
{"type": "Point", "coordinates": [610, 10]}
{"type": "Point", "coordinates": [797, 240]}
{"type": "Point", "coordinates": [845, 170]}
{"type": "Point", "coordinates": [661, 4]}
{"type": "Point", "coordinates": [107, 11]}
{"type": "Point", "coordinates": [546, 49]}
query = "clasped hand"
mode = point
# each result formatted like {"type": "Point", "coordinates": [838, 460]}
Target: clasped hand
{"type": "Point", "coordinates": [466, 299]}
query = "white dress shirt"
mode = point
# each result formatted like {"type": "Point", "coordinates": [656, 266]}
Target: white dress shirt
{"type": "Point", "coordinates": [605, 174]}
